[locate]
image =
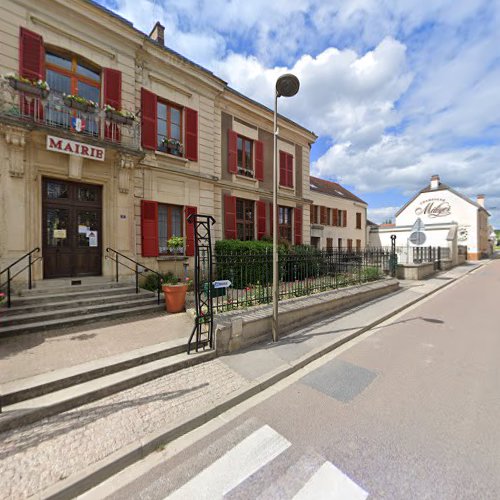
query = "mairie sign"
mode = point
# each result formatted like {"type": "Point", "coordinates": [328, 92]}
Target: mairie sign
{"type": "Point", "coordinates": [75, 148]}
{"type": "Point", "coordinates": [221, 284]}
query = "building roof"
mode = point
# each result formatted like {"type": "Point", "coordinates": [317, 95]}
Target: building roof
{"type": "Point", "coordinates": [332, 189]}
{"type": "Point", "coordinates": [441, 187]}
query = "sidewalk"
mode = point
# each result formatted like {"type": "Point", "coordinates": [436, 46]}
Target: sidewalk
{"type": "Point", "coordinates": [65, 454]}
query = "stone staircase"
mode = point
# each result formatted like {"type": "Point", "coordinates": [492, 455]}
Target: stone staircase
{"type": "Point", "coordinates": [61, 304]}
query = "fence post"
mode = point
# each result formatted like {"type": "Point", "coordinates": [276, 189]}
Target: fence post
{"type": "Point", "coordinates": [393, 257]}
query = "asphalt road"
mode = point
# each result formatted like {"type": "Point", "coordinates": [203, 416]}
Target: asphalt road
{"type": "Point", "coordinates": [408, 410]}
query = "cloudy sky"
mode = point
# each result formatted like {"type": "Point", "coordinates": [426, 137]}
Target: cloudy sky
{"type": "Point", "coordinates": [396, 90]}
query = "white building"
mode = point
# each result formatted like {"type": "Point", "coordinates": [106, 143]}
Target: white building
{"type": "Point", "coordinates": [449, 218]}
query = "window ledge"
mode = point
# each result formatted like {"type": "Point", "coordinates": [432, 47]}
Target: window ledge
{"type": "Point", "coordinates": [178, 159]}
{"type": "Point", "coordinates": [287, 188]}
{"type": "Point", "coordinates": [172, 257]}
{"type": "Point", "coordinates": [244, 178]}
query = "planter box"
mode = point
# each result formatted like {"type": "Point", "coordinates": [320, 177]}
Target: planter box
{"type": "Point", "coordinates": [116, 117]}
{"type": "Point", "coordinates": [27, 88]}
{"type": "Point", "coordinates": [80, 106]}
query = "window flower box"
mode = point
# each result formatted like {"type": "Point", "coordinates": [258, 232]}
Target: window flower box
{"type": "Point", "coordinates": [36, 88]}
{"type": "Point", "coordinates": [80, 103]}
{"type": "Point", "coordinates": [119, 116]}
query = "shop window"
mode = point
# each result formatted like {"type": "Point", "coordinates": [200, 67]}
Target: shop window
{"type": "Point", "coordinates": [245, 219]}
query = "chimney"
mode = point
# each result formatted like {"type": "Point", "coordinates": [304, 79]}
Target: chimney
{"type": "Point", "coordinates": [480, 199]}
{"type": "Point", "coordinates": [158, 33]}
{"type": "Point", "coordinates": [435, 182]}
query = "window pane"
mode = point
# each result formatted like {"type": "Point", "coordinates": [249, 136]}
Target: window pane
{"type": "Point", "coordinates": [175, 116]}
{"type": "Point", "coordinates": [57, 220]}
{"type": "Point", "coordinates": [176, 221]}
{"type": "Point", "coordinates": [58, 83]}
{"type": "Point", "coordinates": [87, 194]}
{"type": "Point", "coordinates": [240, 152]}
{"type": "Point", "coordinates": [89, 220]}
{"type": "Point", "coordinates": [175, 132]}
{"type": "Point", "coordinates": [87, 72]}
{"type": "Point", "coordinates": [88, 91]}
{"type": "Point", "coordinates": [59, 60]}
{"type": "Point", "coordinates": [162, 228]}
{"type": "Point", "coordinates": [162, 127]}
{"type": "Point", "coordinates": [56, 190]}
{"type": "Point", "coordinates": [162, 111]}
{"type": "Point", "coordinates": [239, 209]}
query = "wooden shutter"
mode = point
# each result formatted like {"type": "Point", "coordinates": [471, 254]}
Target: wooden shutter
{"type": "Point", "coordinates": [323, 216]}
{"type": "Point", "coordinates": [229, 217]}
{"type": "Point", "coordinates": [31, 55]}
{"type": "Point", "coordinates": [345, 220]}
{"type": "Point", "coordinates": [149, 228]}
{"type": "Point", "coordinates": [259, 160]}
{"type": "Point", "coordinates": [298, 225]}
{"type": "Point", "coordinates": [232, 151]}
{"type": "Point", "coordinates": [282, 168]}
{"type": "Point", "coordinates": [289, 170]}
{"type": "Point", "coordinates": [148, 119]}
{"type": "Point", "coordinates": [191, 134]}
{"type": "Point", "coordinates": [335, 217]}
{"type": "Point", "coordinates": [261, 219]}
{"type": "Point", "coordinates": [189, 231]}
{"type": "Point", "coordinates": [113, 97]}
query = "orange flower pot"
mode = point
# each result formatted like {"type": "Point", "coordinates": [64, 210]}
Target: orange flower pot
{"type": "Point", "coordinates": [175, 297]}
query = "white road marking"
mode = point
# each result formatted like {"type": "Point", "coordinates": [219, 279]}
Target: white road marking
{"type": "Point", "coordinates": [239, 463]}
{"type": "Point", "coordinates": [330, 483]}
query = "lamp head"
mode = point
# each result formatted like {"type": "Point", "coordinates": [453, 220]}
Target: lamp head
{"type": "Point", "coordinates": [287, 85]}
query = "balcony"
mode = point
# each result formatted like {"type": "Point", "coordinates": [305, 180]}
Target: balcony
{"type": "Point", "coordinates": [55, 112]}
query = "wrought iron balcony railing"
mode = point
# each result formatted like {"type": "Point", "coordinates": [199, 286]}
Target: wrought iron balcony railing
{"type": "Point", "coordinates": [56, 111]}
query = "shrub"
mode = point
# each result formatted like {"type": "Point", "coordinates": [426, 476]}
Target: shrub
{"type": "Point", "coordinates": [150, 281]}
{"type": "Point", "coordinates": [371, 274]}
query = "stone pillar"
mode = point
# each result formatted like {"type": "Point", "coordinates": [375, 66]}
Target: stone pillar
{"type": "Point", "coordinates": [16, 140]}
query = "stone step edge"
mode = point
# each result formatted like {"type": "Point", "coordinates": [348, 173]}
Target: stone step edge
{"type": "Point", "coordinates": [37, 288]}
{"type": "Point", "coordinates": [32, 410]}
{"type": "Point", "coordinates": [27, 388]}
{"type": "Point", "coordinates": [83, 301]}
{"type": "Point", "coordinates": [77, 320]}
{"type": "Point", "coordinates": [42, 315]}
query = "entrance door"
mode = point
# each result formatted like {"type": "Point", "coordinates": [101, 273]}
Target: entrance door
{"type": "Point", "coordinates": [71, 229]}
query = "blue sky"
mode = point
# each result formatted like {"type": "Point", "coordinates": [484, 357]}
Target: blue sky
{"type": "Point", "coordinates": [396, 90]}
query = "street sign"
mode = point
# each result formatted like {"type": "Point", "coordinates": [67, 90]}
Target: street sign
{"type": "Point", "coordinates": [417, 238]}
{"type": "Point", "coordinates": [221, 284]}
{"type": "Point", "coordinates": [418, 226]}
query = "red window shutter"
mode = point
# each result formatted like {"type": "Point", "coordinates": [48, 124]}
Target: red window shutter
{"type": "Point", "coordinates": [191, 134]}
{"type": "Point", "coordinates": [345, 220]}
{"type": "Point", "coordinates": [232, 151]}
{"type": "Point", "coordinates": [148, 119]}
{"type": "Point", "coordinates": [282, 168]}
{"type": "Point", "coordinates": [189, 231]}
{"type": "Point", "coordinates": [149, 228]}
{"type": "Point", "coordinates": [230, 217]}
{"type": "Point", "coordinates": [259, 160]}
{"type": "Point", "coordinates": [113, 97]}
{"type": "Point", "coordinates": [298, 225]}
{"type": "Point", "coordinates": [261, 219]}
{"type": "Point", "coordinates": [289, 170]}
{"type": "Point", "coordinates": [31, 55]}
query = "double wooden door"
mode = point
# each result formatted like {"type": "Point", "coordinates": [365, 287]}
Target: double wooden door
{"type": "Point", "coordinates": [72, 235]}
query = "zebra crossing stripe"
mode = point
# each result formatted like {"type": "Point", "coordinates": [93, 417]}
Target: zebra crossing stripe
{"type": "Point", "coordinates": [238, 464]}
{"type": "Point", "coordinates": [330, 483]}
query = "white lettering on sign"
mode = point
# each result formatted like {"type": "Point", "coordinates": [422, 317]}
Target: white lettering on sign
{"type": "Point", "coordinates": [435, 207]}
{"type": "Point", "coordinates": [74, 148]}
{"type": "Point", "coordinates": [221, 284]}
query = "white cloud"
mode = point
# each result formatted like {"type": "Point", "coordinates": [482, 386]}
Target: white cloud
{"type": "Point", "coordinates": [382, 214]}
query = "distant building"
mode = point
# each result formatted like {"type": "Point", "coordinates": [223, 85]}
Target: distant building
{"type": "Point", "coordinates": [450, 219]}
{"type": "Point", "coordinates": [338, 217]}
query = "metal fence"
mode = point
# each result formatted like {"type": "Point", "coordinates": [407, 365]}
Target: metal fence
{"type": "Point", "coordinates": [300, 274]}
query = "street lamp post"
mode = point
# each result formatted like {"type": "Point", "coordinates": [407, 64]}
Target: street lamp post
{"type": "Point", "coordinates": [286, 86]}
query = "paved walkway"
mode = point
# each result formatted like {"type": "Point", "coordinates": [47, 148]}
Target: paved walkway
{"type": "Point", "coordinates": [49, 453]}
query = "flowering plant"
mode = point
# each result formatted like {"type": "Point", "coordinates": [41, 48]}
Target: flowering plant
{"type": "Point", "coordinates": [80, 99]}
{"type": "Point", "coordinates": [173, 143]}
{"type": "Point", "coordinates": [41, 84]}
{"type": "Point", "coordinates": [2, 297]}
{"type": "Point", "coordinates": [121, 112]}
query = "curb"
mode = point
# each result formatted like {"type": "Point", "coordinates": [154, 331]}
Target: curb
{"type": "Point", "coordinates": [100, 471]}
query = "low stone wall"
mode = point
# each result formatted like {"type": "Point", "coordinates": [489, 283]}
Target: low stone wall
{"type": "Point", "coordinates": [461, 260]}
{"type": "Point", "coordinates": [415, 271]}
{"type": "Point", "coordinates": [238, 329]}
{"type": "Point", "coordinates": [446, 264]}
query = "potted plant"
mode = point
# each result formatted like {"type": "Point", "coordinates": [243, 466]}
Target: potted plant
{"type": "Point", "coordinates": [175, 290]}
{"type": "Point", "coordinates": [119, 116]}
{"type": "Point", "coordinates": [80, 103]}
{"type": "Point", "coordinates": [39, 88]}
{"type": "Point", "coordinates": [173, 146]}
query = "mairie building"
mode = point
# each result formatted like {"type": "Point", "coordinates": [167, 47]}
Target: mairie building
{"type": "Point", "coordinates": [109, 140]}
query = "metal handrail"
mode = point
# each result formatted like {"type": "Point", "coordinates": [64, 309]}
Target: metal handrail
{"type": "Point", "coordinates": [10, 277]}
{"type": "Point", "coordinates": [135, 269]}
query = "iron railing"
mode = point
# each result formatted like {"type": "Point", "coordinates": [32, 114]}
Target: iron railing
{"type": "Point", "coordinates": [9, 270]}
{"type": "Point", "coordinates": [300, 274]}
{"type": "Point", "coordinates": [54, 111]}
{"type": "Point", "coordinates": [138, 269]}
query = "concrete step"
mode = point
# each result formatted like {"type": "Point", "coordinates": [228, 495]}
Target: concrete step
{"type": "Point", "coordinates": [79, 319]}
{"type": "Point", "coordinates": [31, 410]}
{"type": "Point", "coordinates": [26, 315]}
{"type": "Point", "coordinates": [38, 385]}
